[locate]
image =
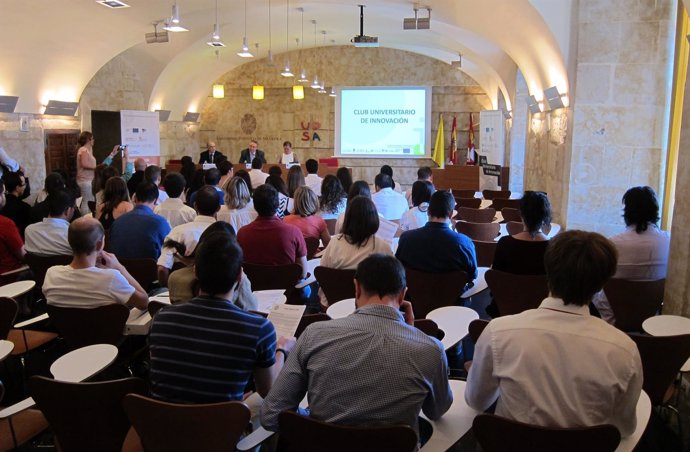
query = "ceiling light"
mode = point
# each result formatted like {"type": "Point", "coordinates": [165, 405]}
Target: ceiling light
{"type": "Point", "coordinates": [332, 93]}
{"type": "Point", "coordinates": [113, 3]}
{"type": "Point", "coordinates": [298, 92]}
{"type": "Point", "coordinates": [269, 58]}
{"type": "Point", "coordinates": [315, 84]}
{"type": "Point", "coordinates": [303, 73]}
{"type": "Point", "coordinates": [322, 89]}
{"type": "Point", "coordinates": [8, 103]}
{"type": "Point", "coordinates": [175, 14]}
{"type": "Point", "coordinates": [303, 76]}
{"type": "Point", "coordinates": [287, 72]}
{"type": "Point", "coordinates": [191, 116]}
{"type": "Point", "coordinates": [218, 91]}
{"type": "Point", "coordinates": [215, 36]}
{"type": "Point", "coordinates": [554, 98]}
{"type": "Point", "coordinates": [163, 115]}
{"type": "Point", "coordinates": [533, 104]}
{"type": "Point", "coordinates": [173, 22]}
{"type": "Point", "coordinates": [245, 53]}
{"type": "Point", "coordinates": [258, 92]}
{"type": "Point", "coordinates": [57, 107]}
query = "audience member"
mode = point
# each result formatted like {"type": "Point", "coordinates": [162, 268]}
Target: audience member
{"type": "Point", "coordinates": [115, 202]}
{"type": "Point", "coordinates": [127, 166]}
{"type": "Point", "coordinates": [424, 174]}
{"type": "Point", "coordinates": [140, 233]}
{"type": "Point", "coordinates": [206, 350]}
{"type": "Point", "coordinates": [436, 247]}
{"type": "Point", "coordinates": [137, 177]}
{"type": "Point", "coordinates": [312, 180]}
{"type": "Point", "coordinates": [333, 198]}
{"type": "Point", "coordinates": [15, 209]}
{"type": "Point", "coordinates": [187, 170]}
{"type": "Point", "coordinates": [643, 248]}
{"type": "Point", "coordinates": [287, 156]}
{"type": "Point", "coordinates": [211, 155]}
{"type": "Point", "coordinates": [417, 216]}
{"type": "Point", "coordinates": [359, 188]}
{"type": "Point", "coordinates": [102, 176]}
{"type": "Point", "coordinates": [7, 163]}
{"type": "Point", "coordinates": [345, 177]}
{"type": "Point", "coordinates": [49, 237]}
{"type": "Point", "coordinates": [295, 179]}
{"type": "Point", "coordinates": [275, 171]}
{"type": "Point", "coordinates": [206, 206]}
{"type": "Point", "coordinates": [558, 366]}
{"type": "Point", "coordinates": [286, 204]}
{"type": "Point", "coordinates": [86, 164]}
{"type": "Point", "coordinates": [386, 169]}
{"type": "Point", "coordinates": [238, 209]}
{"type": "Point", "coordinates": [11, 244]}
{"type": "Point", "coordinates": [244, 175]}
{"type": "Point", "coordinates": [174, 209]}
{"type": "Point", "coordinates": [390, 204]}
{"type": "Point", "coordinates": [152, 174]}
{"type": "Point", "coordinates": [268, 240]}
{"type": "Point", "coordinates": [248, 155]}
{"type": "Point", "coordinates": [257, 176]}
{"type": "Point", "coordinates": [94, 277]}
{"type": "Point", "coordinates": [413, 379]}
{"type": "Point", "coordinates": [225, 169]}
{"type": "Point", "coordinates": [305, 218]}
{"type": "Point", "coordinates": [54, 183]}
{"type": "Point", "coordinates": [211, 178]}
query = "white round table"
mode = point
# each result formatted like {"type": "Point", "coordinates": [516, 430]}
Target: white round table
{"type": "Point", "coordinates": [668, 325]}
{"type": "Point", "coordinates": [82, 363]}
{"type": "Point", "coordinates": [6, 348]}
{"type": "Point", "coordinates": [341, 309]}
{"type": "Point", "coordinates": [16, 289]}
{"type": "Point", "coordinates": [454, 321]}
{"type": "Point", "coordinates": [268, 298]}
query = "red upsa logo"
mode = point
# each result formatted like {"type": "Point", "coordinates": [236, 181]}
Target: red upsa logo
{"type": "Point", "coordinates": [313, 126]}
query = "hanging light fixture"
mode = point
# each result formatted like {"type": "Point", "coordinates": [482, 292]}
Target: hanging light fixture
{"type": "Point", "coordinates": [315, 84]}
{"type": "Point", "coordinates": [303, 72]}
{"type": "Point", "coordinates": [257, 90]}
{"type": "Point", "coordinates": [172, 24]}
{"type": "Point", "coordinates": [244, 52]}
{"type": "Point", "coordinates": [332, 93]}
{"type": "Point", "coordinates": [322, 87]}
{"type": "Point", "coordinates": [287, 72]}
{"type": "Point", "coordinates": [269, 58]}
{"type": "Point", "coordinates": [218, 91]}
{"type": "Point", "coordinates": [215, 36]}
{"type": "Point", "coordinates": [298, 92]}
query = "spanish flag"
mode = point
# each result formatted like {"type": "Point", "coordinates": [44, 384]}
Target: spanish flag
{"type": "Point", "coordinates": [438, 156]}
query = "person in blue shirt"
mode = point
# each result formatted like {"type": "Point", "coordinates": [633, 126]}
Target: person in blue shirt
{"type": "Point", "coordinates": [140, 233]}
{"type": "Point", "coordinates": [436, 247]}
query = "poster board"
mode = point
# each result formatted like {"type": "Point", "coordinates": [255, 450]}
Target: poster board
{"type": "Point", "coordinates": [140, 131]}
{"type": "Point", "coordinates": [492, 152]}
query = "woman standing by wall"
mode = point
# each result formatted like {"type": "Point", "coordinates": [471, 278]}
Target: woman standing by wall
{"type": "Point", "coordinates": [86, 164]}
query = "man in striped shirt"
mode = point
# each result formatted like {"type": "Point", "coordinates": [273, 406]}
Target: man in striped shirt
{"type": "Point", "coordinates": [207, 350]}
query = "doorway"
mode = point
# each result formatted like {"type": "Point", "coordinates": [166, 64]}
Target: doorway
{"type": "Point", "coordinates": [61, 151]}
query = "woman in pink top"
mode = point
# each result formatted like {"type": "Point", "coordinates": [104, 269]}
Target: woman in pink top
{"type": "Point", "coordinates": [305, 218]}
{"type": "Point", "coordinates": [86, 164]}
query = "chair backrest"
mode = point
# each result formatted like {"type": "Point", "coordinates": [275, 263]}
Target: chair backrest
{"type": "Point", "coordinates": [155, 306]}
{"type": "Point", "coordinates": [514, 227]}
{"type": "Point", "coordinates": [464, 193]}
{"type": "Point", "coordinates": [497, 434]}
{"type": "Point", "coordinates": [80, 327]}
{"type": "Point", "coordinates": [85, 416]}
{"type": "Point", "coordinates": [501, 203]}
{"type": "Point", "coordinates": [429, 327]}
{"type": "Point", "coordinates": [308, 319]}
{"type": "Point", "coordinates": [511, 214]}
{"type": "Point", "coordinates": [476, 329]}
{"type": "Point", "coordinates": [474, 203]}
{"type": "Point", "coordinates": [312, 246]}
{"type": "Point", "coordinates": [303, 434]}
{"type": "Point", "coordinates": [165, 427]}
{"type": "Point", "coordinates": [485, 252]}
{"type": "Point", "coordinates": [336, 284]}
{"type": "Point", "coordinates": [485, 232]}
{"type": "Point", "coordinates": [516, 293]}
{"type": "Point", "coordinates": [272, 277]}
{"type": "Point", "coordinates": [144, 270]}
{"type": "Point", "coordinates": [39, 265]}
{"type": "Point", "coordinates": [8, 312]}
{"type": "Point", "coordinates": [662, 357]}
{"type": "Point", "coordinates": [330, 224]}
{"type": "Point", "coordinates": [476, 215]}
{"type": "Point", "coordinates": [633, 302]}
{"type": "Point", "coordinates": [496, 194]}
{"type": "Point", "coordinates": [429, 291]}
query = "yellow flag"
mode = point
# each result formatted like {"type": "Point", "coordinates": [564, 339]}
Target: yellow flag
{"type": "Point", "coordinates": [438, 156]}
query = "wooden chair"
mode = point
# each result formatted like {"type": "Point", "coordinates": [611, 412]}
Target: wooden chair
{"type": "Point", "coordinates": [336, 284]}
{"type": "Point", "coordinates": [17, 429]}
{"type": "Point", "coordinates": [429, 327]}
{"type": "Point", "coordinates": [429, 291]}
{"type": "Point", "coordinates": [476, 215]}
{"type": "Point", "coordinates": [511, 214]}
{"type": "Point", "coordinates": [24, 340]}
{"type": "Point", "coordinates": [165, 427]}
{"type": "Point", "coordinates": [485, 252]}
{"type": "Point", "coordinates": [144, 270]}
{"type": "Point", "coordinates": [312, 246]}
{"type": "Point", "coordinates": [633, 302]}
{"type": "Point", "coordinates": [516, 293]}
{"type": "Point", "coordinates": [154, 307]}
{"type": "Point", "coordinates": [476, 329]}
{"type": "Point", "coordinates": [495, 194]}
{"type": "Point", "coordinates": [464, 193]}
{"type": "Point", "coordinates": [270, 277]}
{"type": "Point", "coordinates": [485, 232]}
{"type": "Point", "coordinates": [330, 224]}
{"type": "Point", "coordinates": [303, 434]}
{"type": "Point", "coordinates": [80, 327]}
{"type": "Point", "coordinates": [85, 416]}
{"type": "Point", "coordinates": [501, 203]}
{"type": "Point", "coordinates": [308, 319]}
{"type": "Point", "coordinates": [497, 434]}
{"type": "Point", "coordinates": [39, 265]}
{"type": "Point", "coordinates": [473, 203]}
{"type": "Point", "coordinates": [514, 227]}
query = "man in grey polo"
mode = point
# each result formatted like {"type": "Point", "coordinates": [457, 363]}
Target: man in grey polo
{"type": "Point", "coordinates": [370, 368]}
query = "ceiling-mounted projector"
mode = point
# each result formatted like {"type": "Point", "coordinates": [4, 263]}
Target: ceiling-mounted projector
{"type": "Point", "coordinates": [156, 36]}
{"type": "Point", "coordinates": [361, 40]}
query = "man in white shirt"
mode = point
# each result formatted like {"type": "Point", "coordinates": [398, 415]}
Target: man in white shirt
{"type": "Point", "coordinates": [312, 180]}
{"type": "Point", "coordinates": [558, 366]}
{"type": "Point", "coordinates": [94, 277]}
{"type": "Point", "coordinates": [49, 237]}
{"type": "Point", "coordinates": [257, 176]}
{"type": "Point", "coordinates": [152, 173]}
{"type": "Point", "coordinates": [174, 209]}
{"type": "Point", "coordinates": [187, 235]}
{"type": "Point", "coordinates": [423, 174]}
{"type": "Point", "coordinates": [390, 204]}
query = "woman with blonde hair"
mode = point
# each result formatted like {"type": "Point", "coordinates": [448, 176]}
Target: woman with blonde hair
{"type": "Point", "coordinates": [238, 210]}
{"type": "Point", "coordinates": [305, 218]}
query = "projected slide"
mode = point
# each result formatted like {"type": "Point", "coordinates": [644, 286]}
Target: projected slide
{"type": "Point", "coordinates": [383, 122]}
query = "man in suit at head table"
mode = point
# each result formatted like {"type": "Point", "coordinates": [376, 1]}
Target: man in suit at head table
{"type": "Point", "coordinates": [211, 155]}
{"type": "Point", "coordinates": [248, 155]}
